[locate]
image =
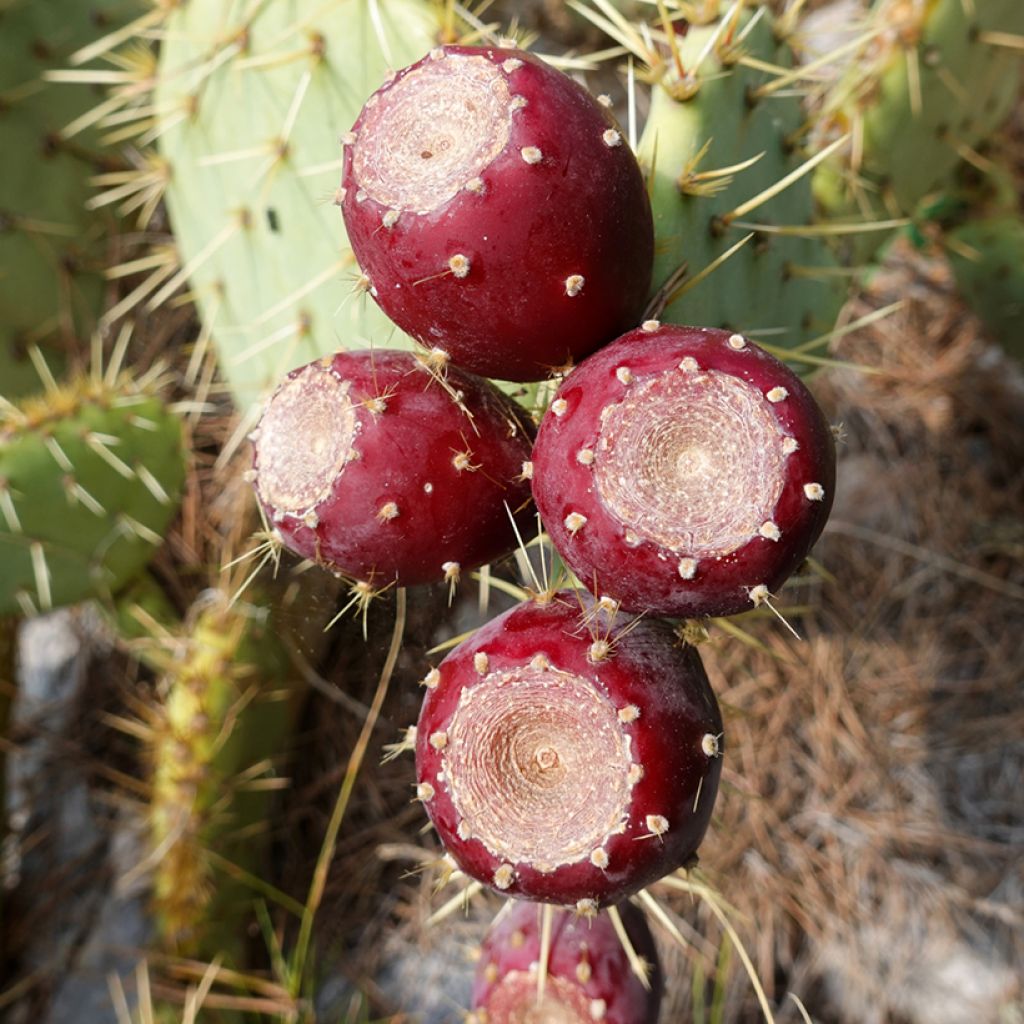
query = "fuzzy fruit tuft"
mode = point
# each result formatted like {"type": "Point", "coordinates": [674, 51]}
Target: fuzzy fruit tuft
{"type": "Point", "coordinates": [497, 212]}
{"type": "Point", "coordinates": [684, 471]}
{"type": "Point", "coordinates": [381, 469]}
{"type": "Point", "coordinates": [589, 975]}
{"type": "Point", "coordinates": [561, 754]}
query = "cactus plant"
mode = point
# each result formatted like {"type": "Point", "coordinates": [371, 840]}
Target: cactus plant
{"type": "Point", "coordinates": [932, 80]}
{"type": "Point", "coordinates": [683, 471]}
{"type": "Point", "coordinates": [51, 254]}
{"type": "Point", "coordinates": [497, 212]}
{"type": "Point", "coordinates": [251, 103]}
{"type": "Point", "coordinates": [221, 718]}
{"type": "Point", "coordinates": [376, 467]}
{"type": "Point", "coordinates": [718, 144]}
{"type": "Point", "coordinates": [89, 476]}
{"type": "Point", "coordinates": [567, 755]}
{"type": "Point", "coordinates": [590, 974]}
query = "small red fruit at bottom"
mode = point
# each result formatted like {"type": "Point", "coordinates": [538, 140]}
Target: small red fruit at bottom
{"type": "Point", "coordinates": [683, 471]}
{"type": "Point", "coordinates": [589, 975]}
{"type": "Point", "coordinates": [382, 470]}
{"type": "Point", "coordinates": [569, 755]}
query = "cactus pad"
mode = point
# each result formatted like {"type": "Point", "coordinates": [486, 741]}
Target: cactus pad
{"type": "Point", "coordinates": [777, 286]}
{"type": "Point", "coordinates": [89, 479]}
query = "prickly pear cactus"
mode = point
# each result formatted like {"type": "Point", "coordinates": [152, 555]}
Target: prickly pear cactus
{"type": "Point", "coordinates": [253, 102]}
{"type": "Point", "coordinates": [50, 245]}
{"type": "Point", "coordinates": [90, 473]}
{"type": "Point", "coordinates": [713, 143]}
{"type": "Point", "coordinates": [987, 257]}
{"type": "Point", "coordinates": [934, 79]}
{"type": "Point", "coordinates": [222, 717]}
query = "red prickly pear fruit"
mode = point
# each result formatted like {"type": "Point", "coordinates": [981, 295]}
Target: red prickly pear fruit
{"type": "Point", "coordinates": [497, 212]}
{"type": "Point", "coordinates": [381, 470]}
{"type": "Point", "coordinates": [590, 977]}
{"type": "Point", "coordinates": [683, 471]}
{"type": "Point", "coordinates": [568, 755]}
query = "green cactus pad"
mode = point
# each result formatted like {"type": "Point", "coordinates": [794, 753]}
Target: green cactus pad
{"type": "Point", "coordinates": [89, 479]}
{"type": "Point", "coordinates": [932, 81]}
{"type": "Point", "coordinates": [987, 257]}
{"type": "Point", "coordinates": [253, 101]}
{"type": "Point", "coordinates": [51, 247]}
{"type": "Point", "coordinates": [780, 288]}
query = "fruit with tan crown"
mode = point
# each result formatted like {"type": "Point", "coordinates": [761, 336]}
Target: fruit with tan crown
{"type": "Point", "coordinates": [497, 211]}
{"type": "Point", "coordinates": [589, 974]}
{"type": "Point", "coordinates": [683, 471]}
{"type": "Point", "coordinates": [568, 754]}
{"type": "Point", "coordinates": [383, 470]}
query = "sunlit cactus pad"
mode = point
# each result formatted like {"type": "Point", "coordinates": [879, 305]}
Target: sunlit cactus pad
{"type": "Point", "coordinates": [253, 101]}
{"type": "Point", "coordinates": [90, 474]}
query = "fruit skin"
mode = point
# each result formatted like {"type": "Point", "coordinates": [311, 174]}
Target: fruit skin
{"type": "Point", "coordinates": [580, 209]}
{"type": "Point", "coordinates": [647, 670]}
{"type": "Point", "coordinates": [90, 475]}
{"type": "Point", "coordinates": [646, 577]}
{"type": "Point", "coordinates": [249, 207]}
{"type": "Point", "coordinates": [785, 280]}
{"type": "Point", "coordinates": [586, 962]}
{"type": "Point", "coordinates": [404, 509]}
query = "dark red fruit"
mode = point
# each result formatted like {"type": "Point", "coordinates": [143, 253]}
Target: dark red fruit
{"type": "Point", "coordinates": [683, 471]}
{"type": "Point", "coordinates": [589, 976]}
{"type": "Point", "coordinates": [569, 755]}
{"type": "Point", "coordinates": [374, 467]}
{"type": "Point", "coordinates": [498, 212]}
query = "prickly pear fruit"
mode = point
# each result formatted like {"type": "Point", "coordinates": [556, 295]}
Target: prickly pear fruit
{"type": "Point", "coordinates": [90, 474]}
{"type": "Point", "coordinates": [250, 103]}
{"type": "Point", "coordinates": [498, 212]}
{"type": "Point", "coordinates": [683, 471]}
{"type": "Point", "coordinates": [383, 469]}
{"type": "Point", "coordinates": [589, 974]}
{"type": "Point", "coordinates": [569, 755]}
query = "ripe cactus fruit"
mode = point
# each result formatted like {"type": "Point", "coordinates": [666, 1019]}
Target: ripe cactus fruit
{"type": "Point", "coordinates": [567, 755]}
{"type": "Point", "coordinates": [90, 473]}
{"type": "Point", "coordinates": [683, 471]}
{"type": "Point", "coordinates": [250, 101]}
{"type": "Point", "coordinates": [381, 469]}
{"type": "Point", "coordinates": [497, 211]}
{"type": "Point", "coordinates": [717, 141]}
{"type": "Point", "coordinates": [589, 974]}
